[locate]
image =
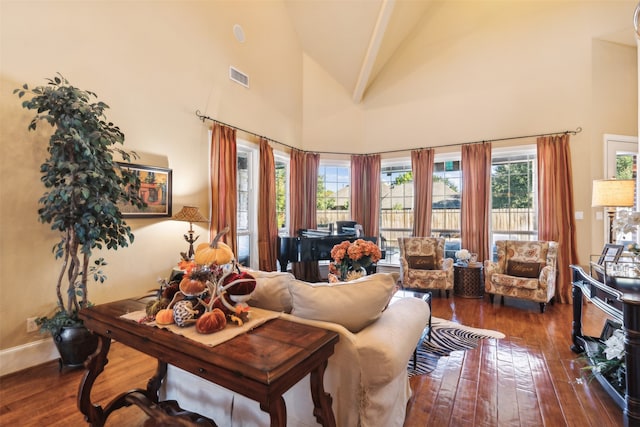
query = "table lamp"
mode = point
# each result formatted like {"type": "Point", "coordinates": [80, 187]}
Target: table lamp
{"type": "Point", "coordinates": [190, 214]}
{"type": "Point", "coordinates": [611, 194]}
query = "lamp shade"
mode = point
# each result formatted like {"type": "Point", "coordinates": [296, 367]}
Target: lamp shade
{"type": "Point", "coordinates": [190, 214]}
{"type": "Point", "coordinates": [613, 193]}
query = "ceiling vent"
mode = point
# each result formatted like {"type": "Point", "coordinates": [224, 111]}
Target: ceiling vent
{"type": "Point", "coordinates": [238, 77]}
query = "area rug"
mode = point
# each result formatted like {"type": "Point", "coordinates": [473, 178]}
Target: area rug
{"type": "Point", "coordinates": [446, 337]}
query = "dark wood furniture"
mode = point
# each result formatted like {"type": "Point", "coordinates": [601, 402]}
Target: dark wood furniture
{"type": "Point", "coordinates": [468, 281]}
{"type": "Point", "coordinates": [261, 364]}
{"type": "Point", "coordinates": [622, 304]}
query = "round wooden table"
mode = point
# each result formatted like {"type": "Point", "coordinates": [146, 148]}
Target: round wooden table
{"type": "Point", "coordinates": [468, 280]}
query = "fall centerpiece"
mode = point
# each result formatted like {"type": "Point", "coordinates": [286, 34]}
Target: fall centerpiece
{"type": "Point", "coordinates": [350, 260]}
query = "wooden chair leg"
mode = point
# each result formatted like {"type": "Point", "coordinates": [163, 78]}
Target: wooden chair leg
{"type": "Point", "coordinates": [491, 298]}
{"type": "Point", "coordinates": [542, 307]}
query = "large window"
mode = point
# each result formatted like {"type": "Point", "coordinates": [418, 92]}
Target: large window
{"type": "Point", "coordinates": [514, 213]}
{"type": "Point", "coordinates": [334, 193]}
{"type": "Point", "coordinates": [396, 206]}
{"type": "Point", "coordinates": [445, 213]}
{"type": "Point", "coordinates": [282, 193]}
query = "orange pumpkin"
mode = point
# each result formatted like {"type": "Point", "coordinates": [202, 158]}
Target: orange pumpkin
{"type": "Point", "coordinates": [215, 252]}
{"type": "Point", "coordinates": [164, 316]}
{"type": "Point", "coordinates": [192, 287]}
{"type": "Point", "coordinates": [212, 321]}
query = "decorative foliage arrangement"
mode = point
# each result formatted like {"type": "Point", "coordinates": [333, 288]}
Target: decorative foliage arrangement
{"type": "Point", "coordinates": [349, 259]}
{"type": "Point", "coordinates": [211, 292]}
{"type": "Point", "coordinates": [84, 185]}
{"type": "Point", "coordinates": [609, 360]}
{"type": "Point", "coordinates": [626, 221]}
{"type": "Point", "coordinates": [463, 255]}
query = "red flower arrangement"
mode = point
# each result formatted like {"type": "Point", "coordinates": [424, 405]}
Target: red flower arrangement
{"type": "Point", "coordinates": [353, 256]}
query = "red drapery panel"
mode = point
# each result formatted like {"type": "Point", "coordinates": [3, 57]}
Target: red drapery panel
{"type": "Point", "coordinates": [365, 192]}
{"type": "Point", "coordinates": [303, 190]}
{"type": "Point", "coordinates": [223, 183]}
{"type": "Point", "coordinates": [422, 167]}
{"type": "Point", "coordinates": [267, 223]}
{"type": "Point", "coordinates": [555, 206]}
{"type": "Point", "coordinates": [476, 198]}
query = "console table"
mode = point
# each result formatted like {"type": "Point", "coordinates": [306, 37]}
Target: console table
{"type": "Point", "coordinates": [622, 303]}
{"type": "Point", "coordinates": [261, 364]}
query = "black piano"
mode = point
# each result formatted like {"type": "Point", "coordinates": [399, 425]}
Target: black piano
{"type": "Point", "coordinates": [312, 245]}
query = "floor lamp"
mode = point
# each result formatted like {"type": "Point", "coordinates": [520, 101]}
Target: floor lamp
{"type": "Point", "coordinates": [612, 194]}
{"type": "Point", "coordinates": [190, 214]}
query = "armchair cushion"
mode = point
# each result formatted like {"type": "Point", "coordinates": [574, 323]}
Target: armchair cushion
{"type": "Point", "coordinates": [353, 305]}
{"type": "Point", "coordinates": [523, 268]}
{"type": "Point", "coordinates": [421, 262]}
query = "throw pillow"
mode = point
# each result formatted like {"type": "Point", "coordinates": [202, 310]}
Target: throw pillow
{"type": "Point", "coordinates": [421, 262]}
{"type": "Point", "coordinates": [272, 291]}
{"type": "Point", "coordinates": [529, 270]}
{"type": "Point", "coordinates": [353, 305]}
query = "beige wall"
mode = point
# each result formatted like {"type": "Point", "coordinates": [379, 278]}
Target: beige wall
{"type": "Point", "coordinates": [458, 79]}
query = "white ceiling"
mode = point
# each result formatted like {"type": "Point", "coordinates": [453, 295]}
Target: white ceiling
{"type": "Point", "coordinates": [353, 39]}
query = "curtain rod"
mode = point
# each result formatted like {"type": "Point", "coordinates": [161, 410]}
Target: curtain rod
{"type": "Point", "coordinates": [565, 132]}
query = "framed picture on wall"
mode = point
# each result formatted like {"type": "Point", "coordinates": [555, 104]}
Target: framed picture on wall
{"type": "Point", "coordinates": [155, 190]}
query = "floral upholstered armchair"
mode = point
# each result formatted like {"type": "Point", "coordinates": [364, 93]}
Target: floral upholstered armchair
{"type": "Point", "coordinates": [524, 269]}
{"type": "Point", "coordinates": [423, 265]}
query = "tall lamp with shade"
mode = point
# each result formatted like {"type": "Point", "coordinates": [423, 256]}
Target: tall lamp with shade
{"type": "Point", "coordinates": [612, 194]}
{"type": "Point", "coordinates": [190, 214]}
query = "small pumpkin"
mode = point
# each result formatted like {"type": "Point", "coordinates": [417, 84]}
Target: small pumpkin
{"type": "Point", "coordinates": [212, 321]}
{"type": "Point", "coordinates": [216, 252]}
{"type": "Point", "coordinates": [164, 316]}
{"type": "Point", "coordinates": [189, 286]}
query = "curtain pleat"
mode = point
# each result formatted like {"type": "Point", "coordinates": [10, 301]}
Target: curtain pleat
{"type": "Point", "coordinates": [365, 193]}
{"type": "Point", "coordinates": [223, 183]}
{"type": "Point", "coordinates": [267, 221]}
{"type": "Point", "coordinates": [422, 167]}
{"type": "Point", "coordinates": [303, 190]}
{"type": "Point", "coordinates": [555, 206]}
{"type": "Point", "coordinates": [476, 198]}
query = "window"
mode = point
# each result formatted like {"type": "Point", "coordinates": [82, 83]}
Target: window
{"type": "Point", "coordinates": [282, 193]}
{"type": "Point", "coordinates": [514, 213]}
{"type": "Point", "coordinates": [247, 221]}
{"type": "Point", "coordinates": [334, 193]}
{"type": "Point", "coordinates": [396, 206]}
{"type": "Point", "coordinates": [445, 214]}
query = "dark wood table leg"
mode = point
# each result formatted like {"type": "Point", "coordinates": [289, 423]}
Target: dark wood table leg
{"type": "Point", "coordinates": [277, 410]}
{"type": "Point", "coordinates": [576, 325]}
{"type": "Point", "coordinates": [631, 316]}
{"type": "Point", "coordinates": [94, 364]}
{"type": "Point", "coordinates": [321, 400]}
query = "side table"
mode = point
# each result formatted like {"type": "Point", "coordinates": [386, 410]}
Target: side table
{"type": "Point", "coordinates": [468, 280]}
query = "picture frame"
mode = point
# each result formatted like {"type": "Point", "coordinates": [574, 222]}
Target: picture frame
{"type": "Point", "coordinates": [610, 253]}
{"type": "Point", "coordinates": [155, 190]}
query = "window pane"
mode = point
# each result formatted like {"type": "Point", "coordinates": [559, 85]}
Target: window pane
{"type": "Point", "coordinates": [281, 194]}
{"type": "Point", "coordinates": [396, 208]}
{"type": "Point", "coordinates": [445, 219]}
{"type": "Point", "coordinates": [333, 194]}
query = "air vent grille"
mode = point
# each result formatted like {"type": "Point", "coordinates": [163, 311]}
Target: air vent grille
{"type": "Point", "coordinates": [238, 77]}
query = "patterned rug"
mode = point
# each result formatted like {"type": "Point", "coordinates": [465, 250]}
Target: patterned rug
{"type": "Point", "coordinates": [446, 337]}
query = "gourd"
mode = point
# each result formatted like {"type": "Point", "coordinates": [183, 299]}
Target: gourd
{"type": "Point", "coordinates": [164, 316]}
{"type": "Point", "coordinates": [212, 321]}
{"type": "Point", "coordinates": [216, 252]}
{"type": "Point", "coordinates": [190, 286]}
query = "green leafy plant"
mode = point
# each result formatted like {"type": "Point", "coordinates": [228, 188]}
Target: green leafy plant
{"type": "Point", "coordinates": [84, 185]}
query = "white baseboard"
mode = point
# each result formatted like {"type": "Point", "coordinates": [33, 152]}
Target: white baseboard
{"type": "Point", "coordinates": [24, 356]}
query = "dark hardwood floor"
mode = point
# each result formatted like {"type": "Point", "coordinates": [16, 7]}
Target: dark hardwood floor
{"type": "Point", "coordinates": [530, 378]}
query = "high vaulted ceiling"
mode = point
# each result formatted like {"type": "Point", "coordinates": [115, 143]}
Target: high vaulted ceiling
{"type": "Point", "coordinates": [353, 39]}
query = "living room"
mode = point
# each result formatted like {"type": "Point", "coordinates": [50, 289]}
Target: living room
{"type": "Point", "coordinates": [449, 73]}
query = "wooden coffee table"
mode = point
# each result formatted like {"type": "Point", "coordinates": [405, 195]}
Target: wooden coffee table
{"type": "Point", "coordinates": [261, 364]}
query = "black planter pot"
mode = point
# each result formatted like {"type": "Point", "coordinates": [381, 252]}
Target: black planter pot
{"type": "Point", "coordinates": [75, 344]}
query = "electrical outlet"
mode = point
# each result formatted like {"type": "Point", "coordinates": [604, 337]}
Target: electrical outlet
{"type": "Point", "coordinates": [32, 326]}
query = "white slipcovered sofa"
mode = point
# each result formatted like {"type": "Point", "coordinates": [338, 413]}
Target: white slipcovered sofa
{"type": "Point", "coordinates": [367, 374]}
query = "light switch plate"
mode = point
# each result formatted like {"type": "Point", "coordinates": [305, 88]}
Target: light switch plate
{"type": "Point", "coordinates": [599, 216]}
{"type": "Point", "coordinates": [579, 215]}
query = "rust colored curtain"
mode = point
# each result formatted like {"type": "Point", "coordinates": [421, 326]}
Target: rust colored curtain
{"type": "Point", "coordinates": [365, 192]}
{"type": "Point", "coordinates": [303, 190]}
{"type": "Point", "coordinates": [422, 167]}
{"type": "Point", "coordinates": [476, 198]}
{"type": "Point", "coordinates": [555, 206]}
{"type": "Point", "coordinates": [267, 221]}
{"type": "Point", "coordinates": [224, 183]}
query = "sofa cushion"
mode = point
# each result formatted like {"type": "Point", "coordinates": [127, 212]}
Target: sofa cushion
{"type": "Point", "coordinates": [353, 305]}
{"type": "Point", "coordinates": [272, 291]}
{"type": "Point", "coordinates": [421, 262]}
{"type": "Point", "coordinates": [523, 269]}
